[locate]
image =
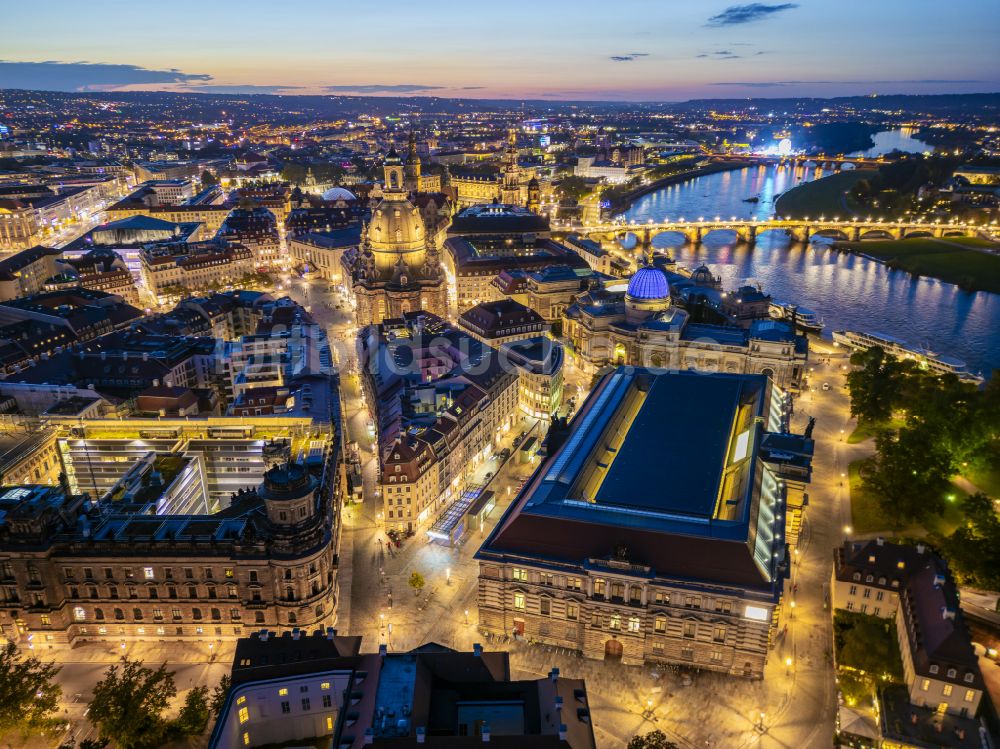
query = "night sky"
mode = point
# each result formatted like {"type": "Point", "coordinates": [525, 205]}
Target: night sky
{"type": "Point", "coordinates": [624, 50]}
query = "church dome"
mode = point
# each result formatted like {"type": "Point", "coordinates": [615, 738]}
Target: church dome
{"type": "Point", "coordinates": [648, 284]}
{"type": "Point", "coordinates": [702, 276]}
{"type": "Point", "coordinates": [396, 226]}
{"type": "Point", "coordinates": [339, 193]}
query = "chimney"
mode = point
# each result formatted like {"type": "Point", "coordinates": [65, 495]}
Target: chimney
{"type": "Point", "coordinates": [880, 541]}
{"type": "Point", "coordinates": [296, 633]}
{"type": "Point", "coordinates": [938, 580]}
{"type": "Point", "coordinates": [264, 635]}
{"type": "Point", "coordinates": [947, 612]}
{"type": "Point", "coordinates": [554, 674]}
{"type": "Point", "coordinates": [330, 633]}
{"type": "Point", "coordinates": [421, 734]}
{"type": "Point", "coordinates": [477, 650]}
{"type": "Point", "coordinates": [383, 650]}
{"type": "Point", "coordinates": [921, 548]}
{"type": "Point", "coordinates": [486, 733]}
{"type": "Point", "coordinates": [558, 703]}
{"type": "Point", "coordinates": [563, 731]}
{"type": "Point", "coordinates": [369, 736]}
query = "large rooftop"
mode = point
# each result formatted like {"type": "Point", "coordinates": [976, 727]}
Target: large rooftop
{"type": "Point", "coordinates": [672, 466]}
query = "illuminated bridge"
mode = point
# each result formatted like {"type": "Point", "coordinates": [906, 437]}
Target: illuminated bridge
{"type": "Point", "coordinates": [800, 230]}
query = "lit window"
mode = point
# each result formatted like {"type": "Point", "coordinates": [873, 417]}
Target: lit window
{"type": "Point", "coordinates": [147, 572]}
{"type": "Point", "coordinates": [925, 684]}
{"type": "Point", "coordinates": [633, 624]}
{"type": "Point", "coordinates": [244, 714]}
{"type": "Point", "coordinates": [282, 692]}
{"type": "Point", "coordinates": [246, 738]}
{"type": "Point", "coordinates": [520, 574]}
{"type": "Point", "coordinates": [519, 601]}
{"type": "Point", "coordinates": [242, 700]}
{"type": "Point", "coordinates": [79, 614]}
{"type": "Point", "coordinates": [756, 613]}
{"type": "Point", "coordinates": [329, 723]}
{"type": "Point", "coordinates": [970, 695]}
{"type": "Point", "coordinates": [947, 690]}
{"type": "Point", "coordinates": [325, 685]}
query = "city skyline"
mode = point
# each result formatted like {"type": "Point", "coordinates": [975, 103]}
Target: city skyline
{"type": "Point", "coordinates": [553, 51]}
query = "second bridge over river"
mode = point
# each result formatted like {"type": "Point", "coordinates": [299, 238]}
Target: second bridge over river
{"type": "Point", "coordinates": [800, 230]}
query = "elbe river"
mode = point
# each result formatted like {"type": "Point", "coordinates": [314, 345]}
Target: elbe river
{"type": "Point", "coordinates": [846, 291]}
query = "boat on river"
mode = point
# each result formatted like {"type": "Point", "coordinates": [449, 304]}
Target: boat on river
{"type": "Point", "coordinates": [803, 317]}
{"type": "Point", "coordinates": [925, 358]}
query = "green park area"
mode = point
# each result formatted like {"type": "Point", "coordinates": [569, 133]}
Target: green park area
{"type": "Point", "coordinates": [958, 260]}
{"type": "Point", "coordinates": [935, 471]}
{"type": "Point", "coordinates": [827, 196]}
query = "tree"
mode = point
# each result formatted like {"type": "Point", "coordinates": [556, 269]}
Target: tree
{"type": "Point", "coordinates": [293, 173]}
{"type": "Point", "coordinates": [28, 698]}
{"type": "Point", "coordinates": [973, 549]}
{"type": "Point", "coordinates": [220, 693]}
{"type": "Point", "coordinates": [573, 188]}
{"type": "Point", "coordinates": [208, 179]}
{"type": "Point", "coordinates": [129, 701]}
{"type": "Point", "coordinates": [417, 582]}
{"type": "Point", "coordinates": [651, 740]}
{"type": "Point", "coordinates": [193, 717]}
{"type": "Point", "coordinates": [877, 386]}
{"type": "Point", "coordinates": [910, 475]}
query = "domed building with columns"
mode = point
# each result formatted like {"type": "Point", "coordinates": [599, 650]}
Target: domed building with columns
{"type": "Point", "coordinates": [396, 269]}
{"type": "Point", "coordinates": [643, 327]}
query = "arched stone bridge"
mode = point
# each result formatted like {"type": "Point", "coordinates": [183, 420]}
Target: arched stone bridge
{"type": "Point", "coordinates": [803, 230]}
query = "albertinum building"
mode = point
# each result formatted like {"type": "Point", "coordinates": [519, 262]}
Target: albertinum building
{"type": "Point", "coordinates": [656, 532]}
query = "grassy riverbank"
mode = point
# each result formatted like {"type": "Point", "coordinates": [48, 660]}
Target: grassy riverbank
{"type": "Point", "coordinates": [826, 196]}
{"type": "Point", "coordinates": [957, 260]}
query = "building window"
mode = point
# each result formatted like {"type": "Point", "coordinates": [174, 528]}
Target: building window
{"type": "Point", "coordinates": [970, 695]}
{"type": "Point", "coordinates": [661, 597]}
{"type": "Point", "coordinates": [519, 574]}
{"type": "Point", "coordinates": [147, 572]}
{"type": "Point", "coordinates": [519, 601]}
{"type": "Point", "coordinates": [716, 656]}
{"type": "Point", "coordinates": [282, 692]}
{"type": "Point", "coordinates": [246, 738]}
{"type": "Point", "coordinates": [660, 624]}
{"type": "Point", "coordinates": [934, 668]}
{"type": "Point", "coordinates": [286, 707]}
{"type": "Point", "coordinates": [616, 621]}
{"type": "Point", "coordinates": [880, 595]}
{"type": "Point", "coordinates": [574, 583]}
{"type": "Point", "coordinates": [687, 654]}
{"type": "Point", "coordinates": [244, 715]}
{"type": "Point", "coordinates": [327, 700]}
{"type": "Point", "coordinates": [689, 629]}
{"type": "Point", "coordinates": [79, 614]}
{"type": "Point", "coordinates": [948, 688]}
{"type": "Point", "coordinates": [634, 624]}
{"type": "Point", "coordinates": [571, 611]}
{"type": "Point", "coordinates": [852, 590]}
{"type": "Point", "coordinates": [617, 591]}
{"type": "Point", "coordinates": [544, 606]}
{"type": "Point", "coordinates": [305, 703]}
{"type": "Point", "coordinates": [599, 587]}
{"type": "Point", "coordinates": [657, 648]}
{"type": "Point", "coordinates": [925, 684]}
{"type": "Point", "coordinates": [719, 634]}
{"type": "Point", "coordinates": [595, 620]}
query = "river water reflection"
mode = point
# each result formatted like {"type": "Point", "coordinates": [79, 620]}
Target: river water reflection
{"type": "Point", "coordinates": [847, 291]}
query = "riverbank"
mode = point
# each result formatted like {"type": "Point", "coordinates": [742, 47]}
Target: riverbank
{"type": "Point", "coordinates": [624, 202]}
{"type": "Point", "coordinates": [826, 196]}
{"type": "Point", "coordinates": [970, 263]}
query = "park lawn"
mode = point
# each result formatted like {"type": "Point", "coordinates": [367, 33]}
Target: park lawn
{"type": "Point", "coordinates": [970, 269]}
{"type": "Point", "coordinates": [867, 518]}
{"type": "Point", "coordinates": [821, 197]}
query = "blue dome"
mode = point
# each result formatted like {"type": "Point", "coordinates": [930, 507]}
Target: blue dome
{"type": "Point", "coordinates": [648, 283]}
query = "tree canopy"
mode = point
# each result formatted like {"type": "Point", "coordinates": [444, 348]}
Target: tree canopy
{"type": "Point", "coordinates": [651, 740]}
{"type": "Point", "coordinates": [28, 697]}
{"type": "Point", "coordinates": [129, 703]}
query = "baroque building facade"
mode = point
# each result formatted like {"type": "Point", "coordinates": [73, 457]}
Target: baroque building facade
{"type": "Point", "coordinates": [397, 268]}
{"type": "Point", "coordinates": [75, 570]}
{"type": "Point", "coordinates": [644, 328]}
